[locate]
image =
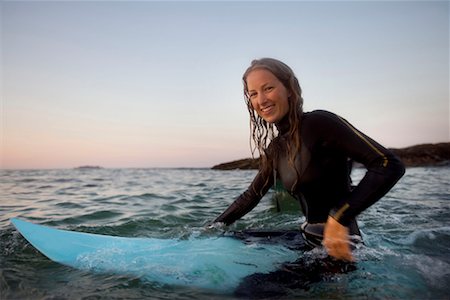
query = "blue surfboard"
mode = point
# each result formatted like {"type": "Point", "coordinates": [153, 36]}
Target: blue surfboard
{"type": "Point", "coordinates": [217, 263]}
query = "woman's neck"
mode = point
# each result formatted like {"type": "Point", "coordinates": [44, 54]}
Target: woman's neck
{"type": "Point", "coordinates": [283, 125]}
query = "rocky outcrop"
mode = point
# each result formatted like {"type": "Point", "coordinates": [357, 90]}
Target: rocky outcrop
{"type": "Point", "coordinates": [88, 167]}
{"type": "Point", "coordinates": [242, 164]}
{"type": "Point", "coordinates": [414, 156]}
{"type": "Point", "coordinates": [424, 155]}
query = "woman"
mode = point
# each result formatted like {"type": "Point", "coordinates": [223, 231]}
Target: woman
{"type": "Point", "coordinates": [310, 155]}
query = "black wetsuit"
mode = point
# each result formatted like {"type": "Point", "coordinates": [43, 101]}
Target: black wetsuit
{"type": "Point", "coordinates": [323, 184]}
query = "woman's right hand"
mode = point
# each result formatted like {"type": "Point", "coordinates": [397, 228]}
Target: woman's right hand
{"type": "Point", "coordinates": [336, 240]}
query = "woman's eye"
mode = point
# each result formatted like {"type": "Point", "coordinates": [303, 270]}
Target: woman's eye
{"type": "Point", "coordinates": [269, 88]}
{"type": "Point", "coordinates": [252, 95]}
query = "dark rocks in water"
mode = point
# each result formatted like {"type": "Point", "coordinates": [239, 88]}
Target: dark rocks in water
{"type": "Point", "coordinates": [424, 155]}
{"type": "Point", "coordinates": [88, 168]}
{"type": "Point", "coordinates": [242, 164]}
{"type": "Point", "coordinates": [414, 156]}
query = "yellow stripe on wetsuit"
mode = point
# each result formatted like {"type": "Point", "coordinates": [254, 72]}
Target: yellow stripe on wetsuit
{"type": "Point", "coordinates": [385, 160]}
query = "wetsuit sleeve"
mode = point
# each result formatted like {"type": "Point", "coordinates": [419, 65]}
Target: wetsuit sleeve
{"type": "Point", "coordinates": [384, 169]}
{"type": "Point", "coordinates": [247, 200]}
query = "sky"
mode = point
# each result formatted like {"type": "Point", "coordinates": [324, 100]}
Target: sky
{"type": "Point", "coordinates": [159, 84]}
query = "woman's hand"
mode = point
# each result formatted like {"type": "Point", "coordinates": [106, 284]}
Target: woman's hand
{"type": "Point", "coordinates": [215, 226]}
{"type": "Point", "coordinates": [336, 240]}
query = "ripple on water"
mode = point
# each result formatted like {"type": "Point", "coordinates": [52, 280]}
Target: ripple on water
{"type": "Point", "coordinates": [100, 215]}
{"type": "Point", "coordinates": [434, 270]}
{"type": "Point", "coordinates": [428, 241]}
{"type": "Point", "coordinates": [69, 205]}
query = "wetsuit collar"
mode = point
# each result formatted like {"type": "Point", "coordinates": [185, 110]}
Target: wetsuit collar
{"type": "Point", "coordinates": [283, 125]}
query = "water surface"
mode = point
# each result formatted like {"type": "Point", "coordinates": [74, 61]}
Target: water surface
{"type": "Point", "coordinates": [407, 233]}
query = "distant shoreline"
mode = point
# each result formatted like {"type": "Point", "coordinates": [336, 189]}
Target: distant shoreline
{"type": "Point", "coordinates": [88, 168]}
{"type": "Point", "coordinates": [414, 156]}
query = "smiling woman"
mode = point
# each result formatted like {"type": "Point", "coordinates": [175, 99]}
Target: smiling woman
{"type": "Point", "coordinates": [310, 156]}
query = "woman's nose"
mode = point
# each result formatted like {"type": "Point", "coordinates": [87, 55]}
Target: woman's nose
{"type": "Point", "coordinates": [262, 99]}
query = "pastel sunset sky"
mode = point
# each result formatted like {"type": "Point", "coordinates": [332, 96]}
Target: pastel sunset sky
{"type": "Point", "coordinates": [158, 84]}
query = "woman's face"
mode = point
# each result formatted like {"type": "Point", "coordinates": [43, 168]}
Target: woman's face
{"type": "Point", "coordinates": [268, 96]}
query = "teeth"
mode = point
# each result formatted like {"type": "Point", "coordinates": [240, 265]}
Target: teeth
{"type": "Point", "coordinates": [266, 108]}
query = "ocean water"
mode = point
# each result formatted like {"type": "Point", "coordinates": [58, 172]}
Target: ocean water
{"type": "Point", "coordinates": [406, 254]}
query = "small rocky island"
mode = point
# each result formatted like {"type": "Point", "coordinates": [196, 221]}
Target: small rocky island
{"type": "Point", "coordinates": [87, 167]}
{"type": "Point", "coordinates": [414, 156]}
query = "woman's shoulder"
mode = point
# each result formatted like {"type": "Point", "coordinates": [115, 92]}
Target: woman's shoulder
{"type": "Point", "coordinates": [319, 124]}
{"type": "Point", "coordinates": [315, 116]}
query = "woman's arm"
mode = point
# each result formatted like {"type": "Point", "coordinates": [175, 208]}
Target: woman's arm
{"type": "Point", "coordinates": [384, 169]}
{"type": "Point", "coordinates": [247, 200]}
